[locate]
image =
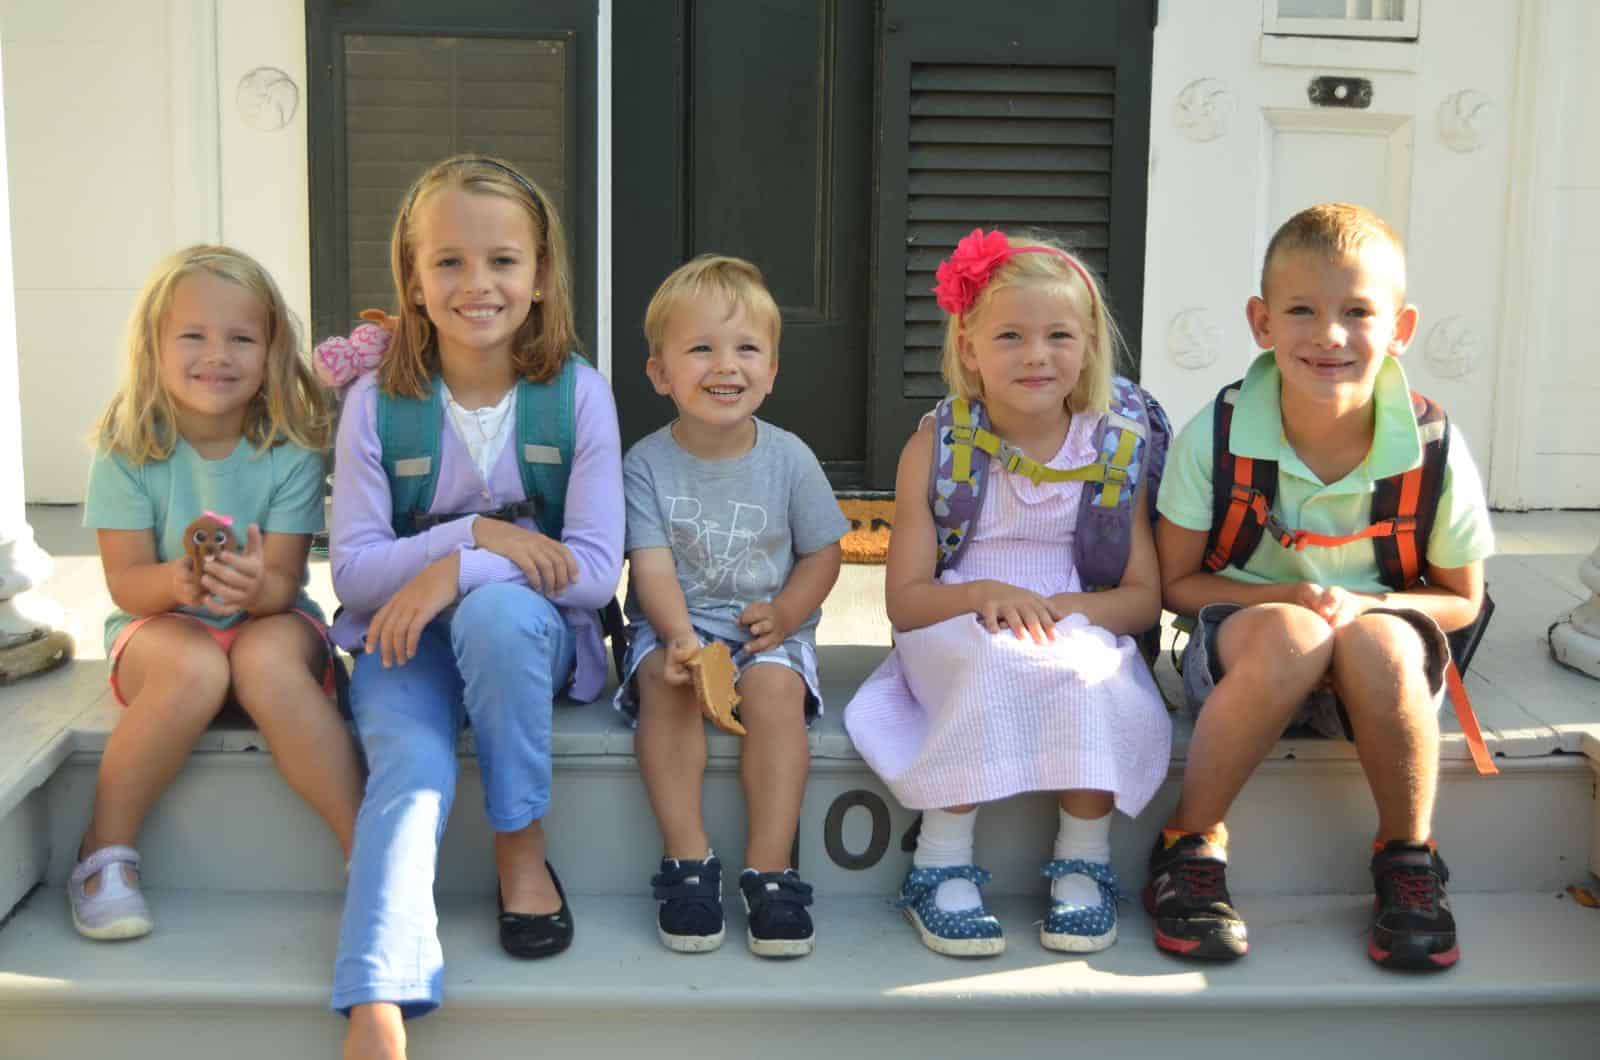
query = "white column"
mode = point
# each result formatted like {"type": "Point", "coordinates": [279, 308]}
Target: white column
{"type": "Point", "coordinates": [1575, 640]}
{"type": "Point", "coordinates": [26, 641]}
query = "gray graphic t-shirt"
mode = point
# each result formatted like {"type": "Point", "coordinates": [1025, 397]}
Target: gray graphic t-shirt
{"type": "Point", "coordinates": [735, 526]}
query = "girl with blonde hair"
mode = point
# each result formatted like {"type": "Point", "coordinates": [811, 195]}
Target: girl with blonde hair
{"type": "Point", "coordinates": [217, 415]}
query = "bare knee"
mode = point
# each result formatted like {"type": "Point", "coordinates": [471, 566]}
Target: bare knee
{"type": "Point", "coordinates": [174, 666]}
{"type": "Point", "coordinates": [1272, 639]}
{"type": "Point", "coordinates": [771, 696]}
{"type": "Point", "coordinates": [270, 651]}
{"type": "Point", "coordinates": [1380, 662]}
{"type": "Point", "coordinates": [656, 696]}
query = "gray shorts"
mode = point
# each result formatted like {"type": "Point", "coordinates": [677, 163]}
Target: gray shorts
{"type": "Point", "coordinates": [797, 654]}
{"type": "Point", "coordinates": [1321, 714]}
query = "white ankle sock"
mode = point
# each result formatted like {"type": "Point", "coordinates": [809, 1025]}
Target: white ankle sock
{"type": "Point", "coordinates": [1088, 839]}
{"type": "Point", "coordinates": [946, 840]}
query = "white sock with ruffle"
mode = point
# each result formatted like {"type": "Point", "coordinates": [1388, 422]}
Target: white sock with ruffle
{"type": "Point", "coordinates": [946, 840]}
{"type": "Point", "coordinates": [1086, 838]}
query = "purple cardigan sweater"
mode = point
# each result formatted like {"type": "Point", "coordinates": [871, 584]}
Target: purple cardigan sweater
{"type": "Point", "coordinates": [370, 564]}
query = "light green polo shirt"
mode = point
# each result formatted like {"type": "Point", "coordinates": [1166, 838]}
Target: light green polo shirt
{"type": "Point", "coordinates": [1461, 530]}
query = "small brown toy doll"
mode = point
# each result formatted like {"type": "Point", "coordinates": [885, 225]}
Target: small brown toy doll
{"type": "Point", "coordinates": [209, 535]}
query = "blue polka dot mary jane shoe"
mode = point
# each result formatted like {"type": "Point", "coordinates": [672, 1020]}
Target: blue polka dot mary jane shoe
{"type": "Point", "coordinates": [955, 933]}
{"type": "Point", "coordinates": [1079, 928]}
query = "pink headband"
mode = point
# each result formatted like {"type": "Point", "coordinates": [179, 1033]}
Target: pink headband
{"type": "Point", "coordinates": [225, 520]}
{"type": "Point", "coordinates": [971, 265]}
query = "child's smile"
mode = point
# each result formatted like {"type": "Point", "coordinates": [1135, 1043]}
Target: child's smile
{"type": "Point", "coordinates": [477, 267]}
{"type": "Point", "coordinates": [1027, 346]}
{"type": "Point", "coordinates": [1331, 323]}
{"type": "Point", "coordinates": [213, 354]}
{"type": "Point", "coordinates": [718, 367]}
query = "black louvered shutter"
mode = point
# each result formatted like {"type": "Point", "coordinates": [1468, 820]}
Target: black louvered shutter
{"type": "Point", "coordinates": [397, 85]}
{"type": "Point", "coordinates": [988, 121]}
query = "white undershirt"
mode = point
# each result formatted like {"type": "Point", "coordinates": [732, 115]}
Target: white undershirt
{"type": "Point", "coordinates": [485, 431]}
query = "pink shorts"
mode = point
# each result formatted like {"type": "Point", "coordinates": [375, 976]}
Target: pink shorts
{"type": "Point", "coordinates": [224, 639]}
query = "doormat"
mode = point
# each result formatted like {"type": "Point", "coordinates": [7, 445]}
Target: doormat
{"type": "Point", "coordinates": [870, 523]}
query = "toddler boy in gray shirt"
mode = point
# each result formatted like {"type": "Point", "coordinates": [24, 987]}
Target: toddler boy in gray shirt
{"type": "Point", "coordinates": [733, 535]}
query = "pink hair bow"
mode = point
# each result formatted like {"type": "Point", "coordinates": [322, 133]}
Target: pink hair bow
{"type": "Point", "coordinates": [225, 520]}
{"type": "Point", "coordinates": [969, 268]}
{"type": "Point", "coordinates": [341, 360]}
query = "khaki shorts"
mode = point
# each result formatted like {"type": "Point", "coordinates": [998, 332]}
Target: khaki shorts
{"type": "Point", "coordinates": [1321, 713]}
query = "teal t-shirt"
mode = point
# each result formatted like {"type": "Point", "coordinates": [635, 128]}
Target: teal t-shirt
{"type": "Point", "coordinates": [1462, 533]}
{"type": "Point", "coordinates": [280, 490]}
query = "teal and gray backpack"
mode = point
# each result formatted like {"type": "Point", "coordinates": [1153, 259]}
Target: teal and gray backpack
{"type": "Point", "coordinates": [409, 432]}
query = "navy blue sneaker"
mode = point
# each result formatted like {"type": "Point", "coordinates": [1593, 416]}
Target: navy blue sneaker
{"type": "Point", "coordinates": [776, 905]}
{"type": "Point", "coordinates": [689, 919]}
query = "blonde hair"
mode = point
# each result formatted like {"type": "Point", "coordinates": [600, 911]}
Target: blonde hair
{"type": "Point", "coordinates": [1336, 231]}
{"type": "Point", "coordinates": [141, 422]}
{"type": "Point", "coordinates": [1052, 273]}
{"type": "Point", "coordinates": [540, 348]}
{"type": "Point", "coordinates": [733, 281]}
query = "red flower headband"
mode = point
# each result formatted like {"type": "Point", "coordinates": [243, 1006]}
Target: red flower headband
{"type": "Point", "coordinates": [972, 264]}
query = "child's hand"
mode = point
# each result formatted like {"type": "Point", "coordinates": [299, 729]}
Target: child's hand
{"type": "Point", "coordinates": [396, 629]}
{"type": "Point", "coordinates": [768, 626]}
{"type": "Point", "coordinates": [186, 583]}
{"type": "Point", "coordinates": [232, 580]}
{"type": "Point", "coordinates": [548, 565]}
{"type": "Point", "coordinates": [1336, 606]}
{"type": "Point", "coordinates": [680, 650]}
{"type": "Point", "coordinates": [1024, 613]}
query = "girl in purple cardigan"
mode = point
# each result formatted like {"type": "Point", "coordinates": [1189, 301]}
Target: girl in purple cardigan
{"type": "Point", "coordinates": [469, 611]}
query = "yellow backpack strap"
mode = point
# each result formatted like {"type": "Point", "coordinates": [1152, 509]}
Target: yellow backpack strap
{"type": "Point", "coordinates": [1117, 473]}
{"type": "Point", "coordinates": [1015, 461]}
{"type": "Point", "coordinates": [961, 434]}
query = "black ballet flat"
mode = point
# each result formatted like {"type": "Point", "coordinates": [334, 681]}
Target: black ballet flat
{"type": "Point", "coordinates": [533, 935]}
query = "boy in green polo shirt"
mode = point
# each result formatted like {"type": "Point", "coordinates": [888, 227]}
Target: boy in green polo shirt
{"type": "Point", "coordinates": [1314, 636]}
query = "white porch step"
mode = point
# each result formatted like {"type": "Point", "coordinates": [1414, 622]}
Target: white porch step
{"type": "Point", "coordinates": [247, 975]}
{"type": "Point", "coordinates": [1301, 825]}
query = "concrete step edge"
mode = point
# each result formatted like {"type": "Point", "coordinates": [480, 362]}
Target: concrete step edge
{"type": "Point", "coordinates": [1524, 949]}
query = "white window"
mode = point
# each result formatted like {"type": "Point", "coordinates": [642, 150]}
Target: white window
{"type": "Point", "coordinates": [1386, 19]}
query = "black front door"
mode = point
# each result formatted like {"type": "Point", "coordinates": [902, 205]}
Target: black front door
{"type": "Point", "coordinates": [745, 128]}
{"type": "Point", "coordinates": [399, 84]}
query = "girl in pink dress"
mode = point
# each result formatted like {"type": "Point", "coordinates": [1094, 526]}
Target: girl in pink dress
{"type": "Point", "coordinates": [1006, 677]}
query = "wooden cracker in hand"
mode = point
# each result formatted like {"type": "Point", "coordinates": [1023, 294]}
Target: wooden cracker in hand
{"type": "Point", "coordinates": [714, 676]}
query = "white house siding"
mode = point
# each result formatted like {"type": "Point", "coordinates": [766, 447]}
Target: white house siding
{"type": "Point", "coordinates": [125, 142]}
{"type": "Point", "coordinates": [1547, 447]}
{"type": "Point", "coordinates": [1237, 146]}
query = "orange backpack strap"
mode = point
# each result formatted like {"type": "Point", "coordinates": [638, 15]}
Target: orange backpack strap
{"type": "Point", "coordinates": [1242, 491]}
{"type": "Point", "coordinates": [1468, 718]}
{"type": "Point", "coordinates": [1407, 503]}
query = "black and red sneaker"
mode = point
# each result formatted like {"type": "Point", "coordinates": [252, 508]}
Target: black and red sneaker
{"type": "Point", "coordinates": [1412, 926]}
{"type": "Point", "coordinates": [1187, 899]}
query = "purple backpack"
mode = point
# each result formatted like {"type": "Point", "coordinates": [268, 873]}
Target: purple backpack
{"type": "Point", "coordinates": [1133, 443]}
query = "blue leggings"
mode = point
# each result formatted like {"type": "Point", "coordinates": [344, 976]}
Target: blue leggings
{"type": "Point", "coordinates": [497, 660]}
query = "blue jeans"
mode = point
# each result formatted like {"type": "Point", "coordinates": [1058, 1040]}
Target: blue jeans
{"type": "Point", "coordinates": [496, 660]}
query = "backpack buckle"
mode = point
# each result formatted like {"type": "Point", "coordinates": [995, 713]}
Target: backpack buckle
{"type": "Point", "coordinates": [1010, 456]}
{"type": "Point", "coordinates": [1291, 539]}
{"type": "Point", "coordinates": [1115, 474]}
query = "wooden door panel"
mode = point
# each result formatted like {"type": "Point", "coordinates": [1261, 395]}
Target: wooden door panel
{"type": "Point", "coordinates": [766, 156]}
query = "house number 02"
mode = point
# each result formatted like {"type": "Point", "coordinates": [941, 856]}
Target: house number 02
{"type": "Point", "coordinates": [833, 829]}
